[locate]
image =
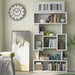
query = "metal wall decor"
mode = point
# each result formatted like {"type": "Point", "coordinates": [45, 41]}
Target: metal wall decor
{"type": "Point", "coordinates": [16, 12]}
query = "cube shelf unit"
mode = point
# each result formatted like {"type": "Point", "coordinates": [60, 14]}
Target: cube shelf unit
{"type": "Point", "coordinates": [51, 6]}
{"type": "Point", "coordinates": [38, 16]}
{"type": "Point", "coordinates": [46, 69]}
{"type": "Point", "coordinates": [57, 42]}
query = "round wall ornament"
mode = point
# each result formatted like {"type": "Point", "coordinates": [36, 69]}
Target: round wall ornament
{"type": "Point", "coordinates": [16, 12]}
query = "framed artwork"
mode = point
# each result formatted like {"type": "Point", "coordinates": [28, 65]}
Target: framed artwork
{"type": "Point", "coordinates": [21, 46]}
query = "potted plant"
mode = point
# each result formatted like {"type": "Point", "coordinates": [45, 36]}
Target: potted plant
{"type": "Point", "coordinates": [51, 34]}
{"type": "Point", "coordinates": [39, 47]}
{"type": "Point", "coordinates": [47, 33]}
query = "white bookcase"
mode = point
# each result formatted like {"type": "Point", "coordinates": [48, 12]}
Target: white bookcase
{"type": "Point", "coordinates": [41, 42]}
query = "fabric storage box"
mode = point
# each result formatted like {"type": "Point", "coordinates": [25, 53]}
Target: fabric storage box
{"type": "Point", "coordinates": [39, 67]}
{"type": "Point", "coordinates": [44, 58]}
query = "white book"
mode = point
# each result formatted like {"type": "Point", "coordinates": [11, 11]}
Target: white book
{"type": "Point", "coordinates": [51, 43]}
{"type": "Point", "coordinates": [56, 65]}
{"type": "Point", "coordinates": [54, 43]}
{"type": "Point", "coordinates": [55, 18]}
{"type": "Point", "coordinates": [50, 67]}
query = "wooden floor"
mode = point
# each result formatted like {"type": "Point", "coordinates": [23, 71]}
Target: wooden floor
{"type": "Point", "coordinates": [41, 73]}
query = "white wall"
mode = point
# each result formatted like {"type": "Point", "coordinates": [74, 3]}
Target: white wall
{"type": "Point", "coordinates": [27, 24]}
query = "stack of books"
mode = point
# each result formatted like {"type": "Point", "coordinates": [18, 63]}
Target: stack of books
{"type": "Point", "coordinates": [55, 7]}
{"type": "Point", "coordinates": [54, 18]}
{"type": "Point", "coordinates": [52, 6]}
{"type": "Point", "coordinates": [52, 43]}
{"type": "Point", "coordinates": [54, 67]}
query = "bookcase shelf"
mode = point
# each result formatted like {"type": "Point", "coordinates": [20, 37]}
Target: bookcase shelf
{"type": "Point", "coordinates": [50, 19]}
{"type": "Point", "coordinates": [49, 48]}
{"type": "Point", "coordinates": [46, 68]}
{"type": "Point", "coordinates": [50, 6]}
{"type": "Point", "coordinates": [49, 36]}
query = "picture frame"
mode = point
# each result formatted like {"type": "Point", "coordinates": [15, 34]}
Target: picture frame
{"type": "Point", "coordinates": [21, 47]}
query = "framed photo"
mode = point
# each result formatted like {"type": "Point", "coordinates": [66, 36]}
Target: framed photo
{"type": "Point", "coordinates": [21, 46]}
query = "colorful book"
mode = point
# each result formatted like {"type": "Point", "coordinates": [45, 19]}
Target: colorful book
{"type": "Point", "coordinates": [53, 67]}
{"type": "Point", "coordinates": [58, 19]}
{"type": "Point", "coordinates": [52, 18]}
{"type": "Point", "coordinates": [49, 18]}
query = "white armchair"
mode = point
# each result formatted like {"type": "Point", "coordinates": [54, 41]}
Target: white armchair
{"type": "Point", "coordinates": [6, 65]}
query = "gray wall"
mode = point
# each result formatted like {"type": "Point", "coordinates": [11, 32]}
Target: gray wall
{"type": "Point", "coordinates": [1, 24]}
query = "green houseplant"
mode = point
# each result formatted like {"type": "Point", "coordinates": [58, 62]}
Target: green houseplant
{"type": "Point", "coordinates": [71, 41]}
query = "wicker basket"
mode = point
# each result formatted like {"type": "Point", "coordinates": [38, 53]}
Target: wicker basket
{"type": "Point", "coordinates": [39, 67]}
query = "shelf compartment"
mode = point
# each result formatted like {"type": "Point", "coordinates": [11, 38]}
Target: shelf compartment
{"type": "Point", "coordinates": [49, 42]}
{"type": "Point", "coordinates": [49, 48]}
{"type": "Point", "coordinates": [51, 6]}
{"type": "Point", "coordinates": [62, 64]}
{"type": "Point", "coordinates": [50, 18]}
{"type": "Point", "coordinates": [61, 42]}
{"type": "Point", "coordinates": [49, 36]}
{"type": "Point", "coordinates": [37, 42]}
{"type": "Point", "coordinates": [51, 60]}
{"type": "Point", "coordinates": [43, 29]}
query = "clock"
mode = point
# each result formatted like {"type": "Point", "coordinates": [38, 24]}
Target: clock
{"type": "Point", "coordinates": [16, 12]}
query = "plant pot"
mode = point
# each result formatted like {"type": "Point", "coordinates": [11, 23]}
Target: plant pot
{"type": "Point", "coordinates": [47, 34]}
{"type": "Point", "coordinates": [42, 21]}
{"type": "Point", "coordinates": [51, 34]}
{"type": "Point", "coordinates": [39, 48]}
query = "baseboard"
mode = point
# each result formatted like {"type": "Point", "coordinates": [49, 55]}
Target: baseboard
{"type": "Point", "coordinates": [71, 69]}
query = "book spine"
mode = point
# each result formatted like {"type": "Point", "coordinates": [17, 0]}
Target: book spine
{"type": "Point", "coordinates": [53, 43]}
{"type": "Point", "coordinates": [57, 6]}
{"type": "Point", "coordinates": [49, 18]}
{"type": "Point", "coordinates": [51, 6]}
{"type": "Point", "coordinates": [58, 18]}
{"type": "Point", "coordinates": [49, 43]}
{"type": "Point", "coordinates": [58, 67]}
{"type": "Point", "coordinates": [52, 18]}
{"type": "Point", "coordinates": [54, 67]}
{"type": "Point", "coordinates": [47, 6]}
{"type": "Point", "coordinates": [60, 6]}
{"type": "Point", "coordinates": [54, 7]}
{"type": "Point", "coordinates": [55, 18]}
